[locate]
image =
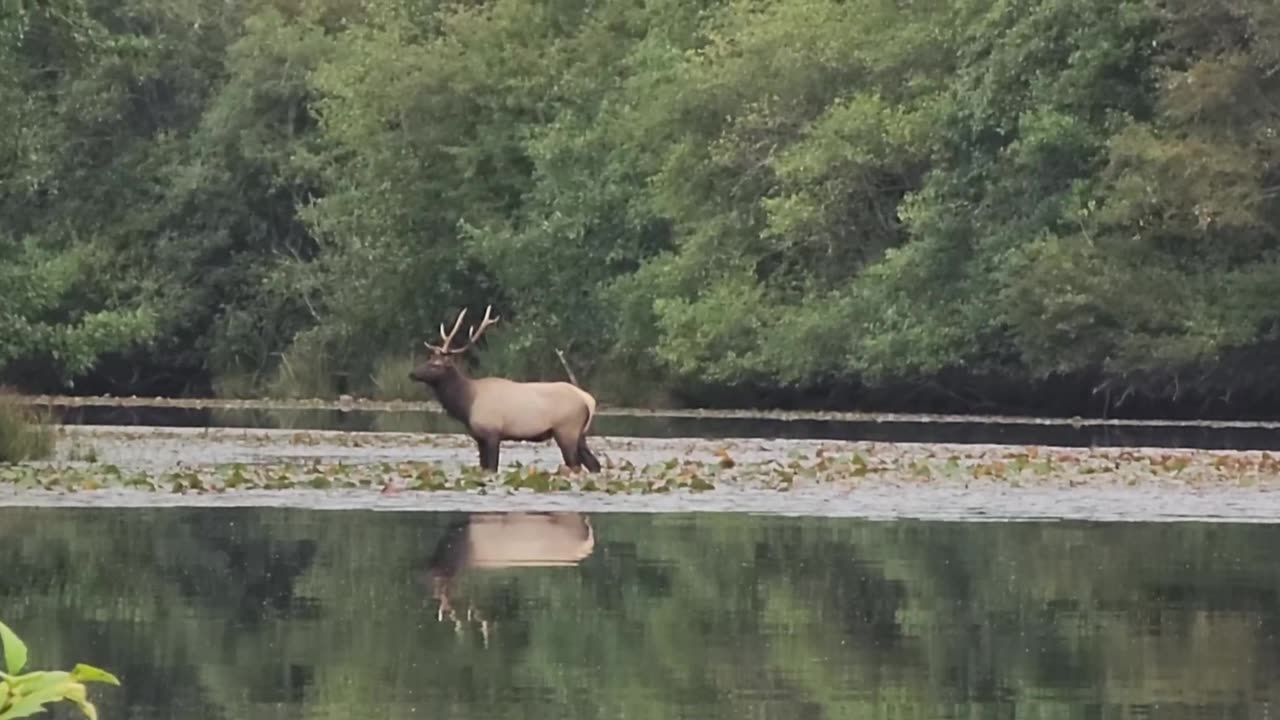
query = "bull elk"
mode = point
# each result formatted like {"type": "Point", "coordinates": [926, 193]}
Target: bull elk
{"type": "Point", "coordinates": [494, 409]}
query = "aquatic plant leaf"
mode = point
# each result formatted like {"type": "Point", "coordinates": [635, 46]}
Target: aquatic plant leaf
{"type": "Point", "coordinates": [428, 481]}
{"type": "Point", "coordinates": [513, 478]}
{"type": "Point", "coordinates": [139, 480]}
{"type": "Point", "coordinates": [236, 478]}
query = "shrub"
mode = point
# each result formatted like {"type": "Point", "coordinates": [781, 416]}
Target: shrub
{"type": "Point", "coordinates": [25, 433]}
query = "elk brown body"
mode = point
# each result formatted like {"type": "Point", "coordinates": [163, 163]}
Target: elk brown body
{"type": "Point", "coordinates": [495, 409]}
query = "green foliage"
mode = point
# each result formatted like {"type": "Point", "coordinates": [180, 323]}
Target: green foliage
{"type": "Point", "coordinates": [712, 194]}
{"type": "Point", "coordinates": [23, 695]}
{"type": "Point", "coordinates": [47, 314]}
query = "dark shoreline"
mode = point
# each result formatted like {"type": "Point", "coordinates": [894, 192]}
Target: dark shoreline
{"type": "Point", "coordinates": [366, 416]}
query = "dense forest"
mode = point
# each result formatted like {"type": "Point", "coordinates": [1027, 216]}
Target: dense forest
{"type": "Point", "coordinates": [1061, 205]}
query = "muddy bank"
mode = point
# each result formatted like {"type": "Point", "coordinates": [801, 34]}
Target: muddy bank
{"type": "Point", "coordinates": [399, 472]}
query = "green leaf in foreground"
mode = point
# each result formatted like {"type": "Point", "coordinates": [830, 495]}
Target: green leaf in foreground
{"type": "Point", "coordinates": [15, 651]}
{"type": "Point", "coordinates": [88, 673]}
{"type": "Point", "coordinates": [26, 695]}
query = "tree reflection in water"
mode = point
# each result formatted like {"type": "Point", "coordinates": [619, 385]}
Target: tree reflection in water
{"type": "Point", "coordinates": [274, 614]}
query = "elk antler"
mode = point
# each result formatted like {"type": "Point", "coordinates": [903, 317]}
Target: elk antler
{"type": "Point", "coordinates": [475, 333]}
{"type": "Point", "coordinates": [443, 347]}
{"type": "Point", "coordinates": [485, 323]}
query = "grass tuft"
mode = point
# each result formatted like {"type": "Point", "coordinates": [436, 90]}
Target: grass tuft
{"type": "Point", "coordinates": [25, 433]}
{"type": "Point", "coordinates": [390, 380]}
{"type": "Point", "coordinates": [237, 385]}
{"type": "Point", "coordinates": [302, 375]}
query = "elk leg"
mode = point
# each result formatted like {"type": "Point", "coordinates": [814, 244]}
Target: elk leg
{"type": "Point", "coordinates": [588, 458]}
{"type": "Point", "coordinates": [488, 453]}
{"type": "Point", "coordinates": [569, 450]}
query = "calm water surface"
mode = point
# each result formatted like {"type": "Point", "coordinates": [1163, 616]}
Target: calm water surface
{"type": "Point", "coordinates": [263, 613]}
{"type": "Point", "coordinates": [1030, 432]}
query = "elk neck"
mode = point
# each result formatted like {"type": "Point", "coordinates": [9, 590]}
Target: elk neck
{"type": "Point", "coordinates": [456, 393]}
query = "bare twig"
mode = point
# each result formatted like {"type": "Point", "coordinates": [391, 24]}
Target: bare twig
{"type": "Point", "coordinates": [572, 378]}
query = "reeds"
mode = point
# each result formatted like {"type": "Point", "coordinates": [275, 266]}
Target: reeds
{"type": "Point", "coordinates": [26, 433]}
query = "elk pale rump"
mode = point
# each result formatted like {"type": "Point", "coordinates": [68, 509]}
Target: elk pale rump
{"type": "Point", "coordinates": [494, 409]}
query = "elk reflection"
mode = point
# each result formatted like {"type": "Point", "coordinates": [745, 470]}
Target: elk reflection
{"type": "Point", "coordinates": [487, 541]}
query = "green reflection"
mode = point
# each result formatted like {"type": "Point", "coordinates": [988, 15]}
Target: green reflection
{"type": "Point", "coordinates": [259, 613]}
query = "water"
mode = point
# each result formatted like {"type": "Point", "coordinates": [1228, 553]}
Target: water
{"type": "Point", "coordinates": [254, 613]}
{"type": "Point", "coordinates": [978, 430]}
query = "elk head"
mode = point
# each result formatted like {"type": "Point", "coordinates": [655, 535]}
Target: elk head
{"type": "Point", "coordinates": [440, 362]}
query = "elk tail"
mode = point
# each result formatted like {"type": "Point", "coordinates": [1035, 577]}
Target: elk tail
{"type": "Point", "coordinates": [590, 458]}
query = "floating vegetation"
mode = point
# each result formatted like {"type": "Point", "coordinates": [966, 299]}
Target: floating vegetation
{"type": "Point", "coordinates": [384, 477]}
{"type": "Point", "coordinates": [725, 465]}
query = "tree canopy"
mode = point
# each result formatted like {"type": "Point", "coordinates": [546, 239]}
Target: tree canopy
{"type": "Point", "coordinates": [714, 201]}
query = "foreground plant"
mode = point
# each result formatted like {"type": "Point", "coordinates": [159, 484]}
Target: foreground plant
{"type": "Point", "coordinates": [25, 695]}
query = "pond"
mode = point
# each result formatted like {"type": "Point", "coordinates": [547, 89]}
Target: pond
{"type": "Point", "coordinates": [275, 613]}
{"type": "Point", "coordinates": [1006, 430]}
